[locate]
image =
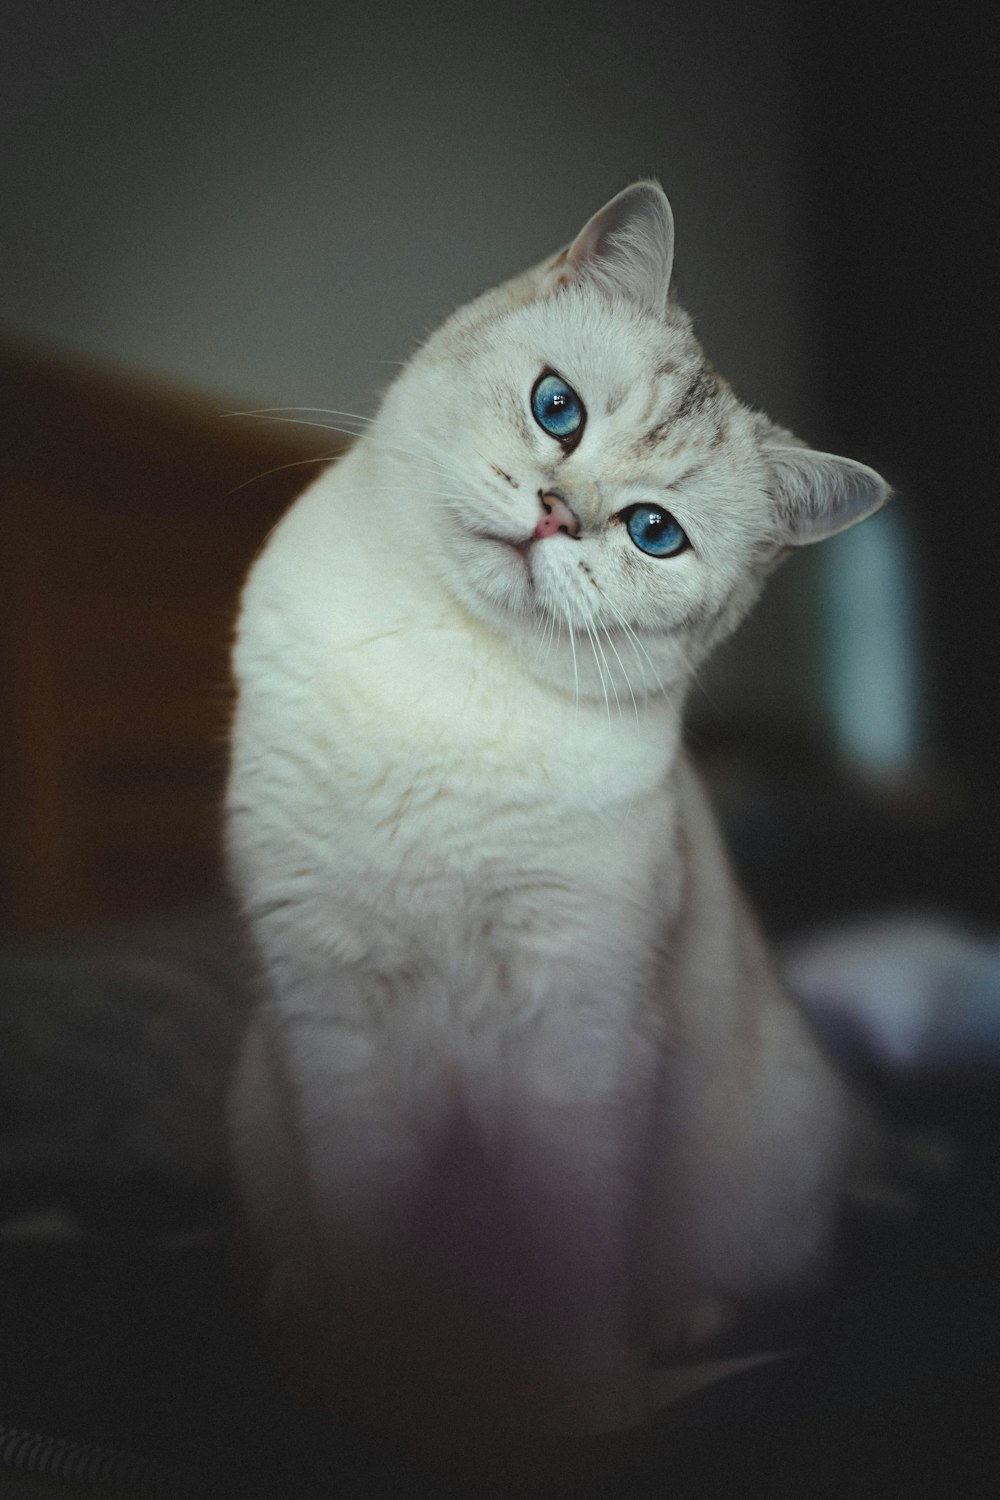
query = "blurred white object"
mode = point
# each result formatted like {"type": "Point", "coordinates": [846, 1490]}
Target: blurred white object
{"type": "Point", "coordinates": [918, 993]}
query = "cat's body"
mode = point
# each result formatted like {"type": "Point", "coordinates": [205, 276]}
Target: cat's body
{"type": "Point", "coordinates": [527, 1102]}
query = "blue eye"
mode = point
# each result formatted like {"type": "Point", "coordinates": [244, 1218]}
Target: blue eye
{"type": "Point", "coordinates": [655, 531]}
{"type": "Point", "coordinates": [557, 408]}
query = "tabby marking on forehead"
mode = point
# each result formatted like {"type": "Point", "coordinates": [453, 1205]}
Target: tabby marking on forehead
{"type": "Point", "coordinates": [690, 473]}
{"type": "Point", "coordinates": [721, 432]}
{"type": "Point", "coordinates": [702, 388]}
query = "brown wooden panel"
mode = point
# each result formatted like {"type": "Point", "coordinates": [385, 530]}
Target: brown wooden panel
{"type": "Point", "coordinates": [126, 529]}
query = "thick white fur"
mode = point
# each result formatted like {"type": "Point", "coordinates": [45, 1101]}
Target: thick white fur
{"type": "Point", "coordinates": [523, 1047]}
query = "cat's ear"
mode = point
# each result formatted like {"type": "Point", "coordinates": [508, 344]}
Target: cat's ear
{"type": "Point", "coordinates": [626, 249]}
{"type": "Point", "coordinates": [819, 494]}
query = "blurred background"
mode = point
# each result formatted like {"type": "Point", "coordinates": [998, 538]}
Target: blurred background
{"type": "Point", "coordinates": [209, 208]}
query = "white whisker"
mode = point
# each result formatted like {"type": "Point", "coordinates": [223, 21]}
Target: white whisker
{"type": "Point", "coordinates": [545, 628]}
{"type": "Point", "coordinates": [296, 463]}
{"type": "Point", "coordinates": [453, 502]}
{"type": "Point", "coordinates": [553, 638]}
{"type": "Point", "coordinates": [700, 685]}
{"type": "Point", "coordinates": [628, 683]}
{"type": "Point", "coordinates": [597, 664]}
{"type": "Point", "coordinates": [415, 488]}
{"type": "Point", "coordinates": [572, 645]}
{"type": "Point", "coordinates": [295, 422]}
{"type": "Point", "coordinates": [419, 459]}
{"type": "Point", "coordinates": [325, 411]}
{"type": "Point", "coordinates": [611, 675]}
{"type": "Point", "coordinates": [635, 642]}
{"type": "Point", "coordinates": [425, 453]}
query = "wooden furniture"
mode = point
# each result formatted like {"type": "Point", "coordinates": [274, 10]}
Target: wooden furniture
{"type": "Point", "coordinates": [128, 518]}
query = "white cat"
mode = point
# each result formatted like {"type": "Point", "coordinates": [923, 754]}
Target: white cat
{"type": "Point", "coordinates": [526, 1103]}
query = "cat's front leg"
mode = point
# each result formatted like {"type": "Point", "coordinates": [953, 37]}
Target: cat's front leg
{"type": "Point", "coordinates": [497, 1269]}
{"type": "Point", "coordinates": [268, 1168]}
{"type": "Point", "coordinates": [577, 1117]}
{"type": "Point", "coordinates": [449, 1231]}
{"type": "Point", "coordinates": [571, 1212]}
{"type": "Point", "coordinates": [325, 1166]}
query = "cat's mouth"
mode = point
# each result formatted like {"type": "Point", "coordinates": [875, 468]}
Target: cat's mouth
{"type": "Point", "coordinates": [517, 570]}
{"type": "Point", "coordinates": [522, 546]}
{"type": "Point", "coordinates": [509, 578]}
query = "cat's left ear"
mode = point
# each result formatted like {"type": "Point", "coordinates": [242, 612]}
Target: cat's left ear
{"type": "Point", "coordinates": [626, 249]}
{"type": "Point", "coordinates": [819, 494]}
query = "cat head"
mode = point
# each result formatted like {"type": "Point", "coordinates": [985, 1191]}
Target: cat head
{"type": "Point", "coordinates": [584, 481]}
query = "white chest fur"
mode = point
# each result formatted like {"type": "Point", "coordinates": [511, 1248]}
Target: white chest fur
{"type": "Point", "coordinates": [407, 788]}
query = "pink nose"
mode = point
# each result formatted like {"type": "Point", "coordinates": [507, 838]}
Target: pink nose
{"type": "Point", "coordinates": [557, 517]}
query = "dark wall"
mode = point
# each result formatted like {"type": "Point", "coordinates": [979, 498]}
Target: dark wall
{"type": "Point", "coordinates": [900, 141]}
{"type": "Point", "coordinates": [275, 200]}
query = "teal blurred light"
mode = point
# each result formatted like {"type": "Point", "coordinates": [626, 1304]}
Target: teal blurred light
{"type": "Point", "coordinates": [870, 639]}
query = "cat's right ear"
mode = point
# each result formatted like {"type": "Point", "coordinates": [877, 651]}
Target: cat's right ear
{"type": "Point", "coordinates": [626, 249]}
